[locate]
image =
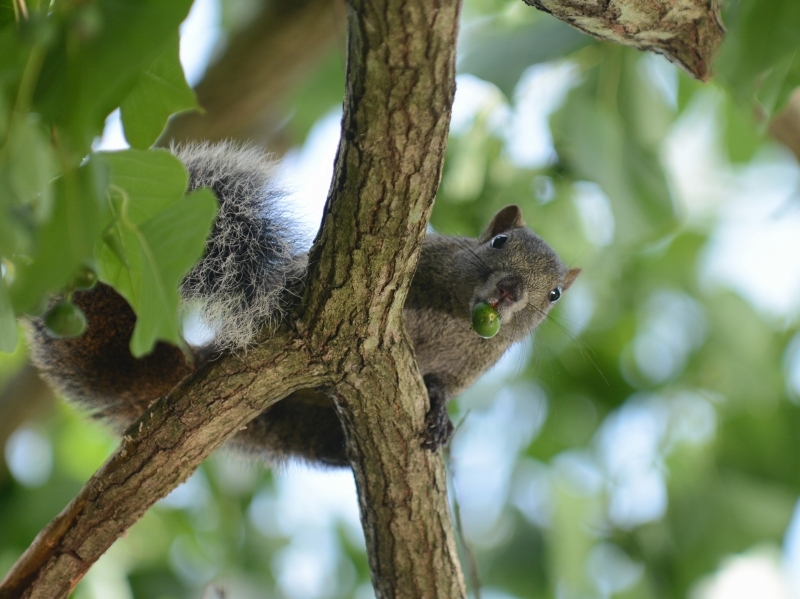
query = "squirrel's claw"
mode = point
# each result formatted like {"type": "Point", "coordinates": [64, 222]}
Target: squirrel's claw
{"type": "Point", "coordinates": [438, 428]}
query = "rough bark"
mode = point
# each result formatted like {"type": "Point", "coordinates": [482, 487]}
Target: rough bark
{"type": "Point", "coordinates": [157, 453]}
{"type": "Point", "coordinates": [349, 339]}
{"type": "Point", "coordinates": [400, 86]}
{"type": "Point", "coordinates": [687, 32]}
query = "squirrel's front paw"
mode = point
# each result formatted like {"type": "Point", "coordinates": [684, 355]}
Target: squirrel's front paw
{"type": "Point", "coordinates": [438, 429]}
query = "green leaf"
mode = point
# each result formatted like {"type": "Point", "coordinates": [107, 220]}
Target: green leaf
{"type": "Point", "coordinates": [6, 16]}
{"type": "Point", "coordinates": [15, 50]}
{"type": "Point", "coordinates": [762, 41]}
{"type": "Point", "coordinates": [152, 179]}
{"type": "Point", "coordinates": [5, 110]}
{"type": "Point", "coordinates": [160, 91]}
{"type": "Point", "coordinates": [157, 235]}
{"type": "Point", "coordinates": [172, 243]}
{"type": "Point", "coordinates": [102, 49]}
{"type": "Point", "coordinates": [27, 168]}
{"type": "Point", "coordinates": [8, 325]}
{"type": "Point", "coordinates": [31, 165]}
{"type": "Point", "coordinates": [67, 240]}
{"type": "Point", "coordinates": [114, 244]}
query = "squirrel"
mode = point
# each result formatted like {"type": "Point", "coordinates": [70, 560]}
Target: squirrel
{"type": "Point", "coordinates": [249, 278]}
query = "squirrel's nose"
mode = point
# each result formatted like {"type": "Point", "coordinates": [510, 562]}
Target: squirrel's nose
{"type": "Point", "coordinates": [509, 291]}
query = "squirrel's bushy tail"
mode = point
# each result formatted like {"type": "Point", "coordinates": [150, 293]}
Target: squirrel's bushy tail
{"type": "Point", "coordinates": [251, 266]}
{"type": "Point", "coordinates": [253, 257]}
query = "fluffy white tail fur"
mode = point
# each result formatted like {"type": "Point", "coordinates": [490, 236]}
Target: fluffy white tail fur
{"type": "Point", "coordinates": [253, 255]}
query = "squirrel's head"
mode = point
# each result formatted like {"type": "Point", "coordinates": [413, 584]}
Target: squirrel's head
{"type": "Point", "coordinates": [525, 277]}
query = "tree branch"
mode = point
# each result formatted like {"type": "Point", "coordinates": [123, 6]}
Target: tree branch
{"type": "Point", "coordinates": [350, 337]}
{"type": "Point", "coordinates": [157, 453]}
{"type": "Point", "coordinates": [400, 87]}
{"type": "Point", "coordinates": [687, 32]}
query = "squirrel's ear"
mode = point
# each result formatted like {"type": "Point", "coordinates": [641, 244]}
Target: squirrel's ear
{"type": "Point", "coordinates": [569, 278]}
{"type": "Point", "coordinates": [506, 219]}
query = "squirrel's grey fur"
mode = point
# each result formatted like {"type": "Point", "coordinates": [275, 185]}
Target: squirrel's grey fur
{"type": "Point", "coordinates": [252, 255]}
{"type": "Point", "coordinates": [253, 270]}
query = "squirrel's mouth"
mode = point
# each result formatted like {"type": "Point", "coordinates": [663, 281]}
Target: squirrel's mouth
{"type": "Point", "coordinates": [506, 294]}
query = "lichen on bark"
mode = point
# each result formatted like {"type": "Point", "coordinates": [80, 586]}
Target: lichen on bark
{"type": "Point", "coordinates": [687, 32]}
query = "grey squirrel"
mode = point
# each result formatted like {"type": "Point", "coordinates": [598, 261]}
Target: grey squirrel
{"type": "Point", "coordinates": [250, 277]}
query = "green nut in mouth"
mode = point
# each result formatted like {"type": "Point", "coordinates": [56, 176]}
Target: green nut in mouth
{"type": "Point", "coordinates": [485, 320]}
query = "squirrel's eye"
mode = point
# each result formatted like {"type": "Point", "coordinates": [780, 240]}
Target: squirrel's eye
{"type": "Point", "coordinates": [499, 242]}
{"type": "Point", "coordinates": [555, 294]}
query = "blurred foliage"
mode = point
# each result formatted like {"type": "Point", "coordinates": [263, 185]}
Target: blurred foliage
{"type": "Point", "coordinates": [646, 435]}
{"type": "Point", "coordinates": [760, 55]}
{"type": "Point", "coordinates": [64, 68]}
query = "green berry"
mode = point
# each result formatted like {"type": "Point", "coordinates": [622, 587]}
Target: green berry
{"type": "Point", "coordinates": [485, 320]}
{"type": "Point", "coordinates": [84, 279]}
{"type": "Point", "coordinates": [64, 320]}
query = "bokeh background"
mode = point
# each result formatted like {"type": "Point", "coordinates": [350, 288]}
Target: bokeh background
{"type": "Point", "coordinates": [644, 443]}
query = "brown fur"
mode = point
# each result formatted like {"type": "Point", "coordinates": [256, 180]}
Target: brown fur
{"type": "Point", "coordinates": [97, 369]}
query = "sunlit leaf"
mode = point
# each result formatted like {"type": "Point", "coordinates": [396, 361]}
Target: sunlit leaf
{"type": "Point", "coordinates": [160, 233]}
{"type": "Point", "coordinates": [67, 240]}
{"type": "Point", "coordinates": [80, 84]}
{"type": "Point", "coordinates": [152, 180]}
{"type": "Point", "coordinates": [171, 243]}
{"type": "Point", "coordinates": [160, 91]}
